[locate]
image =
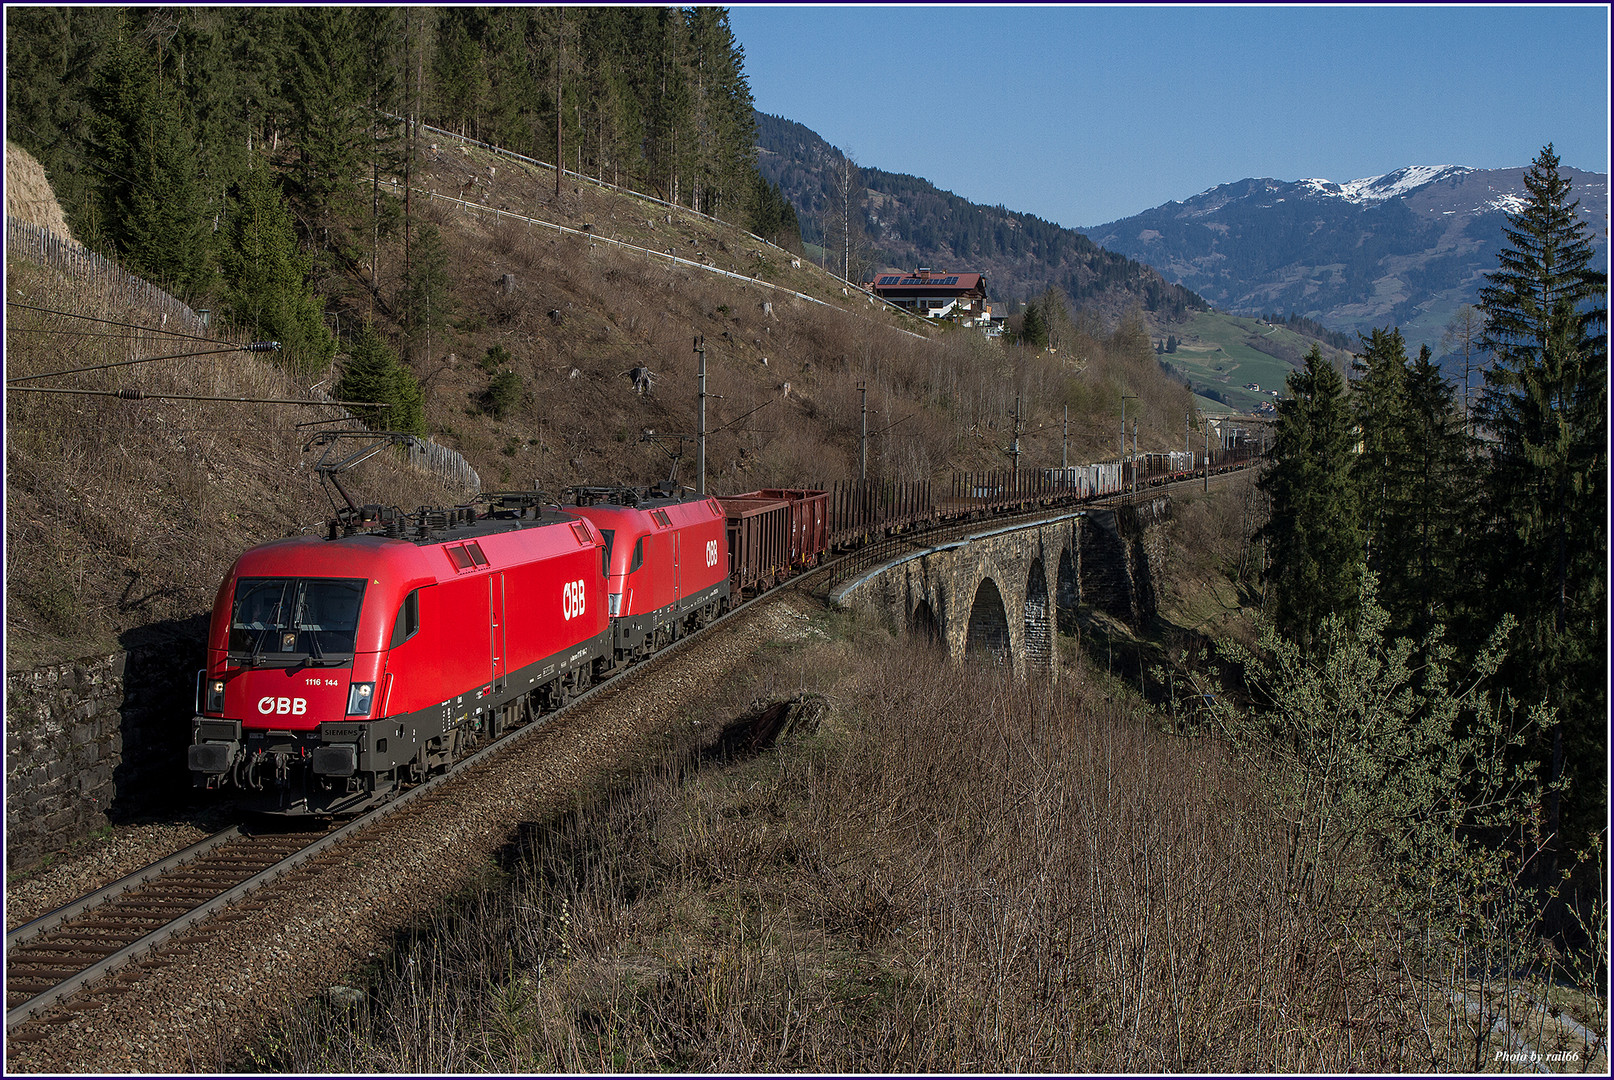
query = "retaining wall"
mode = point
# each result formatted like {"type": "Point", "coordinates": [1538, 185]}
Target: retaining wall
{"type": "Point", "coordinates": [96, 740]}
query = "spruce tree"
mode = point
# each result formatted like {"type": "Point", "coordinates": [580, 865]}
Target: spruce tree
{"type": "Point", "coordinates": [266, 279]}
{"type": "Point", "coordinates": [426, 302]}
{"type": "Point", "coordinates": [1543, 412]}
{"type": "Point", "coordinates": [1378, 404]}
{"type": "Point", "coordinates": [723, 119]}
{"type": "Point", "coordinates": [149, 198]}
{"type": "Point", "coordinates": [1439, 500]}
{"type": "Point", "coordinates": [372, 373]}
{"type": "Point", "coordinates": [1314, 543]}
{"type": "Point", "coordinates": [326, 94]}
{"type": "Point", "coordinates": [459, 69]}
{"type": "Point", "coordinates": [669, 148]}
{"type": "Point", "coordinates": [1034, 328]}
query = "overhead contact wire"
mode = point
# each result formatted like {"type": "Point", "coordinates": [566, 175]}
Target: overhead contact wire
{"type": "Point", "coordinates": [116, 322]}
{"type": "Point", "coordinates": [12, 383]}
{"type": "Point", "coordinates": [141, 395]}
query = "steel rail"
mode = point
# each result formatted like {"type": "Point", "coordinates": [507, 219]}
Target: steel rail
{"type": "Point", "coordinates": [49, 921]}
{"type": "Point", "coordinates": [139, 948]}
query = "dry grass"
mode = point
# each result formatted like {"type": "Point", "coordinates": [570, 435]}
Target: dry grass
{"type": "Point", "coordinates": [101, 492]}
{"type": "Point", "coordinates": [938, 400]}
{"type": "Point", "coordinates": [28, 194]}
{"type": "Point", "coordinates": [952, 873]}
{"type": "Point", "coordinates": [122, 516]}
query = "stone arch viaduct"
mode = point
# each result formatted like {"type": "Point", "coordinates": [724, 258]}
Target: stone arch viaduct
{"type": "Point", "coordinates": [1002, 592]}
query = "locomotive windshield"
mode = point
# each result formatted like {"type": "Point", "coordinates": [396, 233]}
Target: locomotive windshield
{"type": "Point", "coordinates": [293, 618]}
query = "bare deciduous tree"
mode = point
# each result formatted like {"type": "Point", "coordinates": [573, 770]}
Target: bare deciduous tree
{"type": "Point", "coordinates": [1464, 331]}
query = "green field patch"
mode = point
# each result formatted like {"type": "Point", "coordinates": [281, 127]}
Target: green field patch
{"type": "Point", "coordinates": [1222, 352]}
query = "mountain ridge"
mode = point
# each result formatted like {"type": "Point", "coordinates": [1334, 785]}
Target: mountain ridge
{"type": "Point", "coordinates": [1405, 248]}
{"type": "Point", "coordinates": [906, 221]}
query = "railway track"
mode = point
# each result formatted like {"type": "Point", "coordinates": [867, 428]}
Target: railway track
{"type": "Point", "coordinates": [69, 953]}
{"type": "Point", "coordinates": [54, 956]}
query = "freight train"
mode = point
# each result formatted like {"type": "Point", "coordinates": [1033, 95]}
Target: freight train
{"type": "Point", "coordinates": [342, 668]}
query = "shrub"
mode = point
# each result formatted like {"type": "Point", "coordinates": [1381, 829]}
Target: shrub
{"type": "Point", "coordinates": [502, 395]}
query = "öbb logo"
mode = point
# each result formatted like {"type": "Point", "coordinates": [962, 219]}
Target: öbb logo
{"type": "Point", "coordinates": [282, 706]}
{"type": "Point", "coordinates": [711, 553]}
{"type": "Point", "coordinates": [571, 600]}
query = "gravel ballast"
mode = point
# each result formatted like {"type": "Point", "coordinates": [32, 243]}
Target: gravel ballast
{"type": "Point", "coordinates": [190, 1009]}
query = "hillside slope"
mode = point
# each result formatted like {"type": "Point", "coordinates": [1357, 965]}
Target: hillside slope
{"type": "Point", "coordinates": [122, 516]}
{"type": "Point", "coordinates": [909, 222]}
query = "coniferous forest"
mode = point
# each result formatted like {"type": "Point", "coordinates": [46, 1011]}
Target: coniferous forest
{"type": "Point", "coordinates": [1424, 713]}
{"type": "Point", "coordinates": [150, 121]}
{"type": "Point", "coordinates": [1461, 552]}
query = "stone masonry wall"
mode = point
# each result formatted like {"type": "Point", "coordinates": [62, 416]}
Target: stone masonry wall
{"type": "Point", "coordinates": [95, 740]}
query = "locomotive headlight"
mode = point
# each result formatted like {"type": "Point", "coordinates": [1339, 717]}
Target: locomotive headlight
{"type": "Point", "coordinates": [358, 698]}
{"type": "Point", "coordinates": [614, 603]}
{"type": "Point", "coordinates": [215, 695]}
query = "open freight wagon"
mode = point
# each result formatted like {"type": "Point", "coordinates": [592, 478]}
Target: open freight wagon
{"type": "Point", "coordinates": [773, 533]}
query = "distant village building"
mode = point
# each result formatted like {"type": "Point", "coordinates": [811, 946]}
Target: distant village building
{"type": "Point", "coordinates": [937, 294]}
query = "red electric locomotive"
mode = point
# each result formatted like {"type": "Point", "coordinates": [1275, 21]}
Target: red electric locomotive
{"type": "Point", "coordinates": [339, 668]}
{"type": "Point", "coordinates": [667, 563]}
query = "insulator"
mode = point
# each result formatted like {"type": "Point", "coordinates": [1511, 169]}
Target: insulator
{"type": "Point", "coordinates": [131, 395]}
{"type": "Point", "coordinates": [261, 346]}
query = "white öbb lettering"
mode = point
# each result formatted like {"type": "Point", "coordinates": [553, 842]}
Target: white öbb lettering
{"type": "Point", "coordinates": [283, 706]}
{"type": "Point", "coordinates": [571, 600]}
{"type": "Point", "coordinates": [711, 553]}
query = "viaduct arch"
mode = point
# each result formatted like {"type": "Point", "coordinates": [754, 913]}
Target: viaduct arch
{"type": "Point", "coordinates": [999, 595]}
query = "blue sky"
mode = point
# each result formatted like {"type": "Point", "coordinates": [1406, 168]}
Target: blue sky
{"type": "Point", "coordinates": [1083, 115]}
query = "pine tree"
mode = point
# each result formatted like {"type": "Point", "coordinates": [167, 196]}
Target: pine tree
{"type": "Point", "coordinates": [1545, 406]}
{"type": "Point", "coordinates": [266, 279]}
{"type": "Point", "coordinates": [1378, 404]}
{"type": "Point", "coordinates": [1314, 543]}
{"type": "Point", "coordinates": [372, 373]}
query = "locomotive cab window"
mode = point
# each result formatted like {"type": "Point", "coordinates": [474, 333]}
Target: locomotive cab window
{"type": "Point", "coordinates": [281, 619]}
{"type": "Point", "coordinates": [638, 556]}
{"type": "Point", "coordinates": [407, 623]}
{"type": "Point", "coordinates": [605, 552]}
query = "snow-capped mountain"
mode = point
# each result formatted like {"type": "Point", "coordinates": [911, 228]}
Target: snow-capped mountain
{"type": "Point", "coordinates": [1402, 249]}
{"type": "Point", "coordinates": [1375, 189]}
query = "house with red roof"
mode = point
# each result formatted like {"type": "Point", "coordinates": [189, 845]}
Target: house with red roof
{"type": "Point", "coordinates": [937, 294]}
